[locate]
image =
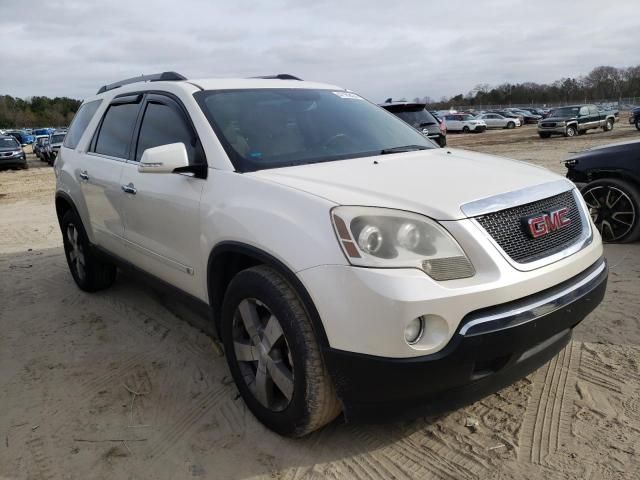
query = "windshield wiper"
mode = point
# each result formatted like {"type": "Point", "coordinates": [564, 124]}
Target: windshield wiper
{"type": "Point", "coordinates": [405, 148]}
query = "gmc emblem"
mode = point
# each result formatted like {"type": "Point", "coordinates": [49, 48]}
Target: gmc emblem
{"type": "Point", "coordinates": [541, 225]}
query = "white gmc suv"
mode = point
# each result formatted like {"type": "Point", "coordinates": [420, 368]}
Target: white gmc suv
{"type": "Point", "coordinates": [349, 264]}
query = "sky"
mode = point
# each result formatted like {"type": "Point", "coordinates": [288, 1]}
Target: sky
{"type": "Point", "coordinates": [380, 49]}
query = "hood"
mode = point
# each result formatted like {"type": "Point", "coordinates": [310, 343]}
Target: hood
{"type": "Point", "coordinates": [432, 182]}
{"type": "Point", "coordinates": [562, 118]}
{"type": "Point", "coordinates": [11, 149]}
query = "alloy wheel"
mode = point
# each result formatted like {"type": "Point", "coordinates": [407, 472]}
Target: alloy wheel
{"type": "Point", "coordinates": [76, 252]}
{"type": "Point", "coordinates": [611, 210]}
{"type": "Point", "coordinates": [263, 354]}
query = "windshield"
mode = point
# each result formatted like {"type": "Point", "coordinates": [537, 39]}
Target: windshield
{"type": "Point", "coordinates": [416, 115]}
{"type": "Point", "coordinates": [57, 138]}
{"type": "Point", "coordinates": [270, 128]}
{"type": "Point", "coordinates": [566, 112]}
{"type": "Point", "coordinates": [8, 143]}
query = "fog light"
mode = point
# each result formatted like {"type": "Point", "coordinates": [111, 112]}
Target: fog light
{"type": "Point", "coordinates": [413, 331]}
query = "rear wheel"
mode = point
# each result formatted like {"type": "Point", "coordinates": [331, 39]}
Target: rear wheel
{"type": "Point", "coordinates": [638, 123]}
{"type": "Point", "coordinates": [89, 272]}
{"type": "Point", "coordinates": [608, 126]}
{"type": "Point", "coordinates": [614, 206]}
{"type": "Point", "coordinates": [465, 129]}
{"type": "Point", "coordinates": [273, 354]}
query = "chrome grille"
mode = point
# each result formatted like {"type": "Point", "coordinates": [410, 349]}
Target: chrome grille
{"type": "Point", "coordinates": [506, 228]}
{"type": "Point", "coordinates": [548, 124]}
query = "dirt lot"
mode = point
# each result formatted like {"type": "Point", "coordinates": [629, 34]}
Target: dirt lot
{"type": "Point", "coordinates": [70, 362]}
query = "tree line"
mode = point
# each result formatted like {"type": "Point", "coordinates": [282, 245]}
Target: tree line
{"type": "Point", "coordinates": [36, 111]}
{"type": "Point", "coordinates": [602, 83]}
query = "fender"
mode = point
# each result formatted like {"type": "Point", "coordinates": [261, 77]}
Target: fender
{"type": "Point", "coordinates": [265, 258]}
{"type": "Point", "coordinates": [67, 198]}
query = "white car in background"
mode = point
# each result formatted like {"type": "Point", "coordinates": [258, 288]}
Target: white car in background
{"type": "Point", "coordinates": [495, 120]}
{"type": "Point", "coordinates": [463, 122]}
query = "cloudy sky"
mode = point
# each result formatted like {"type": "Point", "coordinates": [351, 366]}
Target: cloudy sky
{"type": "Point", "coordinates": [401, 48]}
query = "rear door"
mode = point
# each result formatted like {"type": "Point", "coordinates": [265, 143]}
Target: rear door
{"type": "Point", "coordinates": [99, 175]}
{"type": "Point", "coordinates": [161, 210]}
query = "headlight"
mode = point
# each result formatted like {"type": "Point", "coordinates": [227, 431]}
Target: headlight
{"type": "Point", "coordinates": [386, 238]}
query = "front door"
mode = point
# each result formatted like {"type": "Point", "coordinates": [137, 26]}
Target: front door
{"type": "Point", "coordinates": [162, 210]}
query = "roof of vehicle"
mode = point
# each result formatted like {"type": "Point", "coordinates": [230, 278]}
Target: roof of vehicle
{"type": "Point", "coordinates": [171, 80]}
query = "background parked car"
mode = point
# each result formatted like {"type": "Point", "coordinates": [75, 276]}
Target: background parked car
{"type": "Point", "coordinates": [421, 119]}
{"type": "Point", "coordinates": [610, 181]}
{"type": "Point", "coordinates": [11, 153]}
{"type": "Point", "coordinates": [509, 114]}
{"type": "Point", "coordinates": [53, 146]}
{"type": "Point", "coordinates": [465, 123]}
{"type": "Point", "coordinates": [40, 145]}
{"type": "Point", "coordinates": [22, 137]}
{"type": "Point", "coordinates": [634, 118]}
{"type": "Point", "coordinates": [575, 120]}
{"type": "Point", "coordinates": [495, 120]}
{"type": "Point", "coordinates": [529, 118]}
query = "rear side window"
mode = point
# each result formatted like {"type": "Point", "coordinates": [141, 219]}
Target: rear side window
{"type": "Point", "coordinates": [163, 125]}
{"type": "Point", "coordinates": [79, 123]}
{"type": "Point", "coordinates": [116, 130]}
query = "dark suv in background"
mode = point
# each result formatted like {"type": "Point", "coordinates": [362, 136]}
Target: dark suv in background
{"type": "Point", "coordinates": [634, 118]}
{"type": "Point", "coordinates": [11, 153]}
{"type": "Point", "coordinates": [416, 115]}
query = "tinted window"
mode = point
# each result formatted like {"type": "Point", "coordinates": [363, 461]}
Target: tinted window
{"type": "Point", "coordinates": [79, 123]}
{"type": "Point", "coordinates": [268, 128]}
{"type": "Point", "coordinates": [593, 110]}
{"type": "Point", "coordinates": [414, 115]}
{"type": "Point", "coordinates": [584, 110]}
{"type": "Point", "coordinates": [117, 127]}
{"type": "Point", "coordinates": [162, 125]}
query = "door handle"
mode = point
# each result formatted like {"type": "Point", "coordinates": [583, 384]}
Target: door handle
{"type": "Point", "coordinates": [84, 175]}
{"type": "Point", "coordinates": [129, 189]}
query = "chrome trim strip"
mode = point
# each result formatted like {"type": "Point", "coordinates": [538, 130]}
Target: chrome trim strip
{"type": "Point", "coordinates": [515, 198]}
{"type": "Point", "coordinates": [585, 238]}
{"type": "Point", "coordinates": [156, 256]}
{"type": "Point", "coordinates": [537, 308]}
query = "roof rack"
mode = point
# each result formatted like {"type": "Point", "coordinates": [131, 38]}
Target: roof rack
{"type": "Point", "coordinates": [280, 76]}
{"type": "Point", "coordinates": [156, 77]}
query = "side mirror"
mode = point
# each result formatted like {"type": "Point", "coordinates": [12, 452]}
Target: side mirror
{"type": "Point", "coordinates": [164, 159]}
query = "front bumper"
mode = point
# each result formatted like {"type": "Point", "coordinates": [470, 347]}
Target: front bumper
{"type": "Point", "coordinates": [492, 348]}
{"type": "Point", "coordinates": [560, 129]}
{"type": "Point", "coordinates": [19, 161]}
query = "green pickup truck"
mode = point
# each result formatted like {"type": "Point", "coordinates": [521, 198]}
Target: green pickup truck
{"type": "Point", "coordinates": [575, 120]}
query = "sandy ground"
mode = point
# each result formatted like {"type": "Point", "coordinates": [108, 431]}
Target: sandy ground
{"type": "Point", "coordinates": [69, 362]}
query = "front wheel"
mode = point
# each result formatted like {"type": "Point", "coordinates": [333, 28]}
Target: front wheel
{"type": "Point", "coordinates": [511, 125]}
{"type": "Point", "coordinates": [544, 135]}
{"type": "Point", "coordinates": [88, 271]}
{"type": "Point", "coordinates": [273, 354]}
{"type": "Point", "coordinates": [638, 123]}
{"type": "Point", "coordinates": [614, 206]}
{"type": "Point", "coordinates": [571, 131]}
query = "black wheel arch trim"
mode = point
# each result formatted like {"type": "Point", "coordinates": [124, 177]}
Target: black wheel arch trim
{"type": "Point", "coordinates": [267, 259]}
{"type": "Point", "coordinates": [67, 198]}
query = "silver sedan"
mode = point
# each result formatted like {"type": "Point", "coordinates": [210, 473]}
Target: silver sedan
{"type": "Point", "coordinates": [495, 120]}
